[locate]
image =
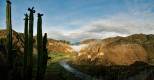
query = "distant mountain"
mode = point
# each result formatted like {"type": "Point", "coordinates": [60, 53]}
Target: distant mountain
{"type": "Point", "coordinates": [87, 41]}
{"type": "Point", "coordinates": [75, 43]}
{"type": "Point", "coordinates": [53, 45]}
{"type": "Point", "coordinates": [59, 46]}
{"type": "Point", "coordinates": [110, 51]}
{"type": "Point", "coordinates": [118, 50]}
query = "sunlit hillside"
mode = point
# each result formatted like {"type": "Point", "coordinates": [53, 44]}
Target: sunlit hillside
{"type": "Point", "coordinates": [76, 39]}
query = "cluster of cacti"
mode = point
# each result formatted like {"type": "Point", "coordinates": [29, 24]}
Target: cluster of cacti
{"type": "Point", "coordinates": [28, 46]}
{"type": "Point", "coordinates": [30, 43]}
{"type": "Point", "coordinates": [39, 47]}
{"type": "Point", "coordinates": [42, 50]}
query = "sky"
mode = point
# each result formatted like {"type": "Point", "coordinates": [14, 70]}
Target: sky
{"type": "Point", "coordinates": [77, 20]}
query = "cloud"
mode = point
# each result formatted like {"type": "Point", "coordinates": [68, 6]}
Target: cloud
{"type": "Point", "coordinates": [138, 19]}
{"type": "Point", "coordinates": [123, 23]}
{"type": "Point", "coordinates": [117, 25]}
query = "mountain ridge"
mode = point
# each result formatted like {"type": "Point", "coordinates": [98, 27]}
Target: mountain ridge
{"type": "Point", "coordinates": [119, 50]}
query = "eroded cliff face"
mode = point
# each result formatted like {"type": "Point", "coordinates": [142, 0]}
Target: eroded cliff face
{"type": "Point", "coordinates": [118, 51]}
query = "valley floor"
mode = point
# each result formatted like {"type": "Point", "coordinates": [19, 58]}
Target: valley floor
{"type": "Point", "coordinates": [55, 71]}
{"type": "Point", "coordinates": [59, 69]}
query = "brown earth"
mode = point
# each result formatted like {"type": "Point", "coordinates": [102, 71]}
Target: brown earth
{"type": "Point", "coordinates": [119, 50]}
{"type": "Point", "coordinates": [18, 40]}
{"type": "Point", "coordinates": [53, 45]}
{"type": "Point", "coordinates": [58, 46]}
{"type": "Point", "coordinates": [109, 51]}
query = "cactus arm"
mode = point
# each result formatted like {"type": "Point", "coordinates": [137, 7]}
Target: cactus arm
{"type": "Point", "coordinates": [39, 48]}
{"type": "Point", "coordinates": [45, 53]}
{"type": "Point", "coordinates": [30, 43]}
{"type": "Point", "coordinates": [25, 46]}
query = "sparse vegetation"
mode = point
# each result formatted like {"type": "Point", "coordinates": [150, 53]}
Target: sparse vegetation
{"type": "Point", "coordinates": [119, 50]}
{"type": "Point", "coordinates": [57, 72]}
{"type": "Point", "coordinates": [116, 58]}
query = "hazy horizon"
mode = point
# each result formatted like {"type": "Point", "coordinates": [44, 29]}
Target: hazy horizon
{"type": "Point", "coordinates": [76, 20]}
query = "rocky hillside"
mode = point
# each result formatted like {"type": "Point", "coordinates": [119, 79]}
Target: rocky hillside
{"type": "Point", "coordinates": [110, 51]}
{"type": "Point", "coordinates": [59, 46]}
{"type": "Point", "coordinates": [53, 45]}
{"type": "Point", "coordinates": [119, 50]}
{"type": "Point", "coordinates": [18, 40]}
{"type": "Point", "coordinates": [89, 41]}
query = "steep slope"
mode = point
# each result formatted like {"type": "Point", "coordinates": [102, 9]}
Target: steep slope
{"type": "Point", "coordinates": [119, 50]}
{"type": "Point", "coordinates": [87, 41]}
{"type": "Point", "coordinates": [18, 40]}
{"type": "Point", "coordinates": [53, 45]}
{"type": "Point", "coordinates": [59, 46]}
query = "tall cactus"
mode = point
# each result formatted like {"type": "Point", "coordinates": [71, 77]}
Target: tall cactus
{"type": "Point", "coordinates": [45, 54]}
{"type": "Point", "coordinates": [30, 43]}
{"type": "Point", "coordinates": [39, 47]}
{"type": "Point", "coordinates": [25, 46]}
{"type": "Point", "coordinates": [9, 32]}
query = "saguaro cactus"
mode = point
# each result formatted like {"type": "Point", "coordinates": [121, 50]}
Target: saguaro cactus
{"type": "Point", "coordinates": [45, 54]}
{"type": "Point", "coordinates": [25, 46]}
{"type": "Point", "coordinates": [30, 43]}
{"type": "Point", "coordinates": [9, 32]}
{"type": "Point", "coordinates": [39, 47]}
